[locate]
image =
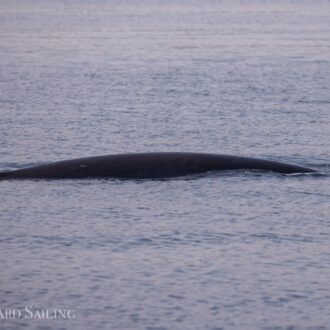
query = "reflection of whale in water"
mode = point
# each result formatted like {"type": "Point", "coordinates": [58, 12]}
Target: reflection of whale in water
{"type": "Point", "coordinates": [148, 166]}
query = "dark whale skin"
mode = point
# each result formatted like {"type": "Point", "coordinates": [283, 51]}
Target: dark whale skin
{"type": "Point", "coordinates": [154, 165]}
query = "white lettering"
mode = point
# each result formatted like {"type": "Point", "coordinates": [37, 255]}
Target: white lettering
{"type": "Point", "coordinates": [10, 314]}
{"type": "Point", "coordinates": [71, 314]}
{"type": "Point", "coordinates": [62, 313]}
{"type": "Point", "coordinates": [28, 309]}
{"type": "Point", "coordinates": [33, 313]}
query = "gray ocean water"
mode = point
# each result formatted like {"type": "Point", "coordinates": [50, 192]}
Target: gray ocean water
{"type": "Point", "coordinates": [223, 251]}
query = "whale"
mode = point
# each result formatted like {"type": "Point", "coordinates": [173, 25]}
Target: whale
{"type": "Point", "coordinates": [152, 165]}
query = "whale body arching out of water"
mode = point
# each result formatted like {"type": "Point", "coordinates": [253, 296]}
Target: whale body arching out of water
{"type": "Point", "coordinates": [153, 165]}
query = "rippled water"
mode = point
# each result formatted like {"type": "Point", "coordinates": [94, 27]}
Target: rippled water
{"type": "Point", "coordinates": [235, 250]}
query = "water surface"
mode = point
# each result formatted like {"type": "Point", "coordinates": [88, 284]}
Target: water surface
{"type": "Point", "coordinates": [235, 250]}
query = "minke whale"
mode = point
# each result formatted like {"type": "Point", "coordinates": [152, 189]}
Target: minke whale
{"type": "Point", "coordinates": [155, 165]}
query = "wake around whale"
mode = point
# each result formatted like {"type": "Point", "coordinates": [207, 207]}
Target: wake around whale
{"type": "Point", "coordinates": [155, 165]}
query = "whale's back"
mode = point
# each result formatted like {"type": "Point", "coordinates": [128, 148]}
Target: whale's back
{"type": "Point", "coordinates": [149, 165]}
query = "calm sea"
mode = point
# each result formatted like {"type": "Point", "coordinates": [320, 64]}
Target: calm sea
{"type": "Point", "coordinates": [230, 251]}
